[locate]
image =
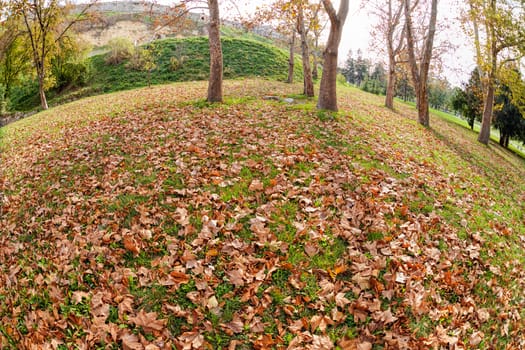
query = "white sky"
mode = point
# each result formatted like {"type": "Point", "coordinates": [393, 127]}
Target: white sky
{"type": "Point", "coordinates": [458, 63]}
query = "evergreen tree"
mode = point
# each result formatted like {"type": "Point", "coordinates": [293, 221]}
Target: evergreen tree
{"type": "Point", "coordinates": [362, 66]}
{"type": "Point", "coordinates": [469, 100]}
{"type": "Point", "coordinates": [507, 117]}
{"type": "Point", "coordinates": [349, 68]}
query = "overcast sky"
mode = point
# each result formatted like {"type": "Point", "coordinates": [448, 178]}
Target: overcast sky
{"type": "Point", "coordinates": [458, 63]}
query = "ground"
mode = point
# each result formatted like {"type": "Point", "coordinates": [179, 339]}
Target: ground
{"type": "Point", "coordinates": [152, 219]}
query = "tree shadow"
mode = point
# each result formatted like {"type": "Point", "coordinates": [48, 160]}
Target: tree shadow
{"type": "Point", "coordinates": [479, 157]}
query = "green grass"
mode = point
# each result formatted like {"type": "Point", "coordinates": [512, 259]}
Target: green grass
{"type": "Point", "coordinates": [361, 214]}
{"type": "Point", "coordinates": [244, 56]}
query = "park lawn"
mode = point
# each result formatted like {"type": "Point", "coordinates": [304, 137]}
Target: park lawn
{"type": "Point", "coordinates": [152, 219]}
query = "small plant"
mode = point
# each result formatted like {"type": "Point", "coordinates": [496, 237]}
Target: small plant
{"type": "Point", "coordinates": [176, 62]}
{"type": "Point", "coordinates": [120, 50]}
{"type": "Point", "coordinates": [143, 59]}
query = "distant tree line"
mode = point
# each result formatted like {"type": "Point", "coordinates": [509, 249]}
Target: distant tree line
{"type": "Point", "coordinates": [372, 77]}
{"type": "Point", "coordinates": [507, 116]}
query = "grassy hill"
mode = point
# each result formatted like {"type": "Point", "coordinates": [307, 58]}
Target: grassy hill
{"type": "Point", "coordinates": [242, 58]}
{"type": "Point", "coordinates": [150, 218]}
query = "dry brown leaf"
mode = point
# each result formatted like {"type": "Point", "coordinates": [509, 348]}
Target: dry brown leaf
{"type": "Point", "coordinates": [148, 321]}
{"type": "Point", "coordinates": [131, 342]}
{"type": "Point", "coordinates": [130, 243]}
{"type": "Point", "coordinates": [256, 186]}
{"type": "Point", "coordinates": [236, 277]}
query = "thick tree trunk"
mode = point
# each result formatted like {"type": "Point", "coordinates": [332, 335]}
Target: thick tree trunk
{"type": "Point", "coordinates": [391, 84]}
{"type": "Point", "coordinates": [291, 60]}
{"type": "Point", "coordinates": [216, 65]}
{"type": "Point", "coordinates": [307, 71]}
{"type": "Point", "coordinates": [486, 121]}
{"type": "Point", "coordinates": [484, 132]}
{"type": "Point", "coordinates": [328, 89]}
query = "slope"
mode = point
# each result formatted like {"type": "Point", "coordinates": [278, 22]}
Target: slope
{"type": "Point", "coordinates": [185, 59]}
{"type": "Point", "coordinates": [150, 218]}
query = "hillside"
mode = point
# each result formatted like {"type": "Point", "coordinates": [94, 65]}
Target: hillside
{"type": "Point", "coordinates": [149, 219]}
{"type": "Point", "coordinates": [242, 58]}
{"type": "Point", "coordinates": [185, 59]}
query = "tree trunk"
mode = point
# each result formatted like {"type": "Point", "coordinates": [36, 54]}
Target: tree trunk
{"type": "Point", "coordinates": [214, 38]}
{"type": "Point", "coordinates": [391, 83]}
{"type": "Point", "coordinates": [420, 72]}
{"type": "Point", "coordinates": [41, 92]}
{"type": "Point", "coordinates": [484, 132]}
{"type": "Point", "coordinates": [307, 71]}
{"type": "Point", "coordinates": [422, 106]}
{"type": "Point", "coordinates": [328, 89]}
{"type": "Point", "coordinates": [315, 71]}
{"type": "Point", "coordinates": [486, 121]}
{"type": "Point", "coordinates": [291, 62]}
{"type": "Point", "coordinates": [393, 22]}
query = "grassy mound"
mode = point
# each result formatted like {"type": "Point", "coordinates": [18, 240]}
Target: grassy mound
{"type": "Point", "coordinates": [151, 218]}
{"type": "Point", "coordinates": [242, 58]}
{"type": "Point", "coordinates": [185, 59]}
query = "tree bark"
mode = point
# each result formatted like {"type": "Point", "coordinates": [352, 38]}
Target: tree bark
{"type": "Point", "coordinates": [41, 92]}
{"type": "Point", "coordinates": [391, 83]}
{"type": "Point", "coordinates": [315, 71]}
{"type": "Point", "coordinates": [484, 132]}
{"type": "Point", "coordinates": [486, 121]}
{"type": "Point", "coordinates": [328, 89]}
{"type": "Point", "coordinates": [420, 72]}
{"type": "Point", "coordinates": [422, 105]}
{"type": "Point", "coordinates": [393, 20]}
{"type": "Point", "coordinates": [216, 64]}
{"type": "Point", "coordinates": [307, 71]}
{"type": "Point", "coordinates": [291, 62]}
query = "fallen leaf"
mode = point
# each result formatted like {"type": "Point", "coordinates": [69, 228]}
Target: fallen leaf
{"type": "Point", "coordinates": [131, 342]}
{"type": "Point", "coordinates": [148, 321]}
{"type": "Point", "coordinates": [256, 186]}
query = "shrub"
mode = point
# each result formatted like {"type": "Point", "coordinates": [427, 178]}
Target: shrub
{"type": "Point", "coordinates": [341, 79]}
{"type": "Point", "coordinates": [142, 59]}
{"type": "Point", "coordinates": [120, 50]}
{"type": "Point", "coordinates": [4, 101]}
{"type": "Point", "coordinates": [73, 73]}
{"type": "Point", "coordinates": [176, 62]}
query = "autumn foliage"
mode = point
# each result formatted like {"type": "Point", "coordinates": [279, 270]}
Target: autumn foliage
{"type": "Point", "coordinates": [152, 220]}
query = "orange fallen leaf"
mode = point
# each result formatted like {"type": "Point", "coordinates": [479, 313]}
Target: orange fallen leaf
{"type": "Point", "coordinates": [131, 244]}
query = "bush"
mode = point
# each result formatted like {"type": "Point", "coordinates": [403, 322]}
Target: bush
{"type": "Point", "coordinates": [176, 63]}
{"type": "Point", "coordinates": [142, 59]}
{"type": "Point", "coordinates": [74, 73]}
{"type": "Point", "coordinates": [4, 101]}
{"type": "Point", "coordinates": [120, 50]}
{"type": "Point", "coordinates": [340, 79]}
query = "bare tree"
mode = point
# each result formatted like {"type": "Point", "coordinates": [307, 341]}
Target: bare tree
{"type": "Point", "coordinates": [420, 68]}
{"type": "Point", "coordinates": [392, 29]}
{"type": "Point", "coordinates": [177, 15]}
{"type": "Point", "coordinates": [308, 82]}
{"type": "Point", "coordinates": [328, 90]}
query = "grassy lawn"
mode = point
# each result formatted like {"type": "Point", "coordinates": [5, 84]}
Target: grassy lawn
{"type": "Point", "coordinates": [151, 219]}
